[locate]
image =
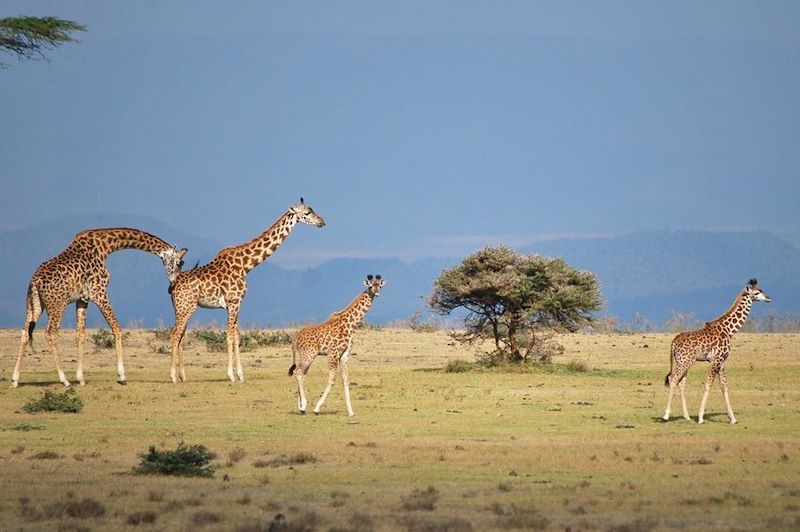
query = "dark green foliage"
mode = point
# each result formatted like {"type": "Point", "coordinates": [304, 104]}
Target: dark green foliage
{"type": "Point", "coordinates": [67, 401]}
{"type": "Point", "coordinates": [27, 37]}
{"type": "Point", "coordinates": [517, 301]}
{"type": "Point", "coordinates": [186, 461]}
{"type": "Point", "coordinates": [217, 340]}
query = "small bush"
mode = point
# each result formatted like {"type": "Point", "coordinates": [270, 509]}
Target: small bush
{"type": "Point", "coordinates": [457, 366]}
{"type": "Point", "coordinates": [254, 338]}
{"type": "Point", "coordinates": [204, 517]}
{"type": "Point", "coordinates": [216, 341]}
{"type": "Point", "coordinates": [421, 499]}
{"type": "Point", "coordinates": [67, 402]}
{"type": "Point", "coordinates": [26, 427]}
{"type": "Point", "coordinates": [103, 339]}
{"type": "Point", "coordinates": [283, 460]}
{"type": "Point", "coordinates": [186, 461]}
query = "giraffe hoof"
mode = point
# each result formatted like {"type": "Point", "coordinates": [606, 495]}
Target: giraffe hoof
{"type": "Point", "coordinates": [122, 382]}
{"type": "Point", "coordinates": [352, 421]}
{"type": "Point", "coordinates": [302, 412]}
{"type": "Point", "coordinates": [700, 421]}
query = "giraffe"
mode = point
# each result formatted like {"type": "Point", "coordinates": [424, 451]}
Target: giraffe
{"type": "Point", "coordinates": [79, 274]}
{"type": "Point", "coordinates": [334, 337]}
{"type": "Point", "coordinates": [709, 344]}
{"type": "Point", "coordinates": [221, 284]}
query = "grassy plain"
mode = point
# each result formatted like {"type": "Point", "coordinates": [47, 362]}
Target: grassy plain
{"type": "Point", "coordinates": [549, 448]}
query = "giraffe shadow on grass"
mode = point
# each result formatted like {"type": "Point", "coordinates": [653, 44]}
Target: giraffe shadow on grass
{"type": "Point", "coordinates": [708, 417]}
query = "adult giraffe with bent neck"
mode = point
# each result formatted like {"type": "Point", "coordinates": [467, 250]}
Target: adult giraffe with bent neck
{"type": "Point", "coordinates": [221, 284]}
{"type": "Point", "coordinates": [79, 274]}
{"type": "Point", "coordinates": [711, 344]}
{"type": "Point", "coordinates": [334, 338]}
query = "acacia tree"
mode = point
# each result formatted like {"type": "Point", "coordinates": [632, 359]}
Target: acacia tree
{"type": "Point", "coordinates": [517, 301]}
{"type": "Point", "coordinates": [28, 37]}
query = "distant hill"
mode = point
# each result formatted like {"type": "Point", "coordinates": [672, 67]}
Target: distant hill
{"type": "Point", "coordinates": [654, 274]}
{"type": "Point", "coordinates": [658, 273]}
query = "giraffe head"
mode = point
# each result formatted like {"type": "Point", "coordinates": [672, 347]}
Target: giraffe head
{"type": "Point", "coordinates": [755, 292]}
{"type": "Point", "coordinates": [306, 214]}
{"type": "Point", "coordinates": [374, 285]}
{"type": "Point", "coordinates": [173, 262]}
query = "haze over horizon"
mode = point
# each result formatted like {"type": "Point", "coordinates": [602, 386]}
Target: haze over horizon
{"type": "Point", "coordinates": [415, 129]}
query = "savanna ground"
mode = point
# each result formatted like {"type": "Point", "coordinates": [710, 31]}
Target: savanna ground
{"type": "Point", "coordinates": [550, 448]}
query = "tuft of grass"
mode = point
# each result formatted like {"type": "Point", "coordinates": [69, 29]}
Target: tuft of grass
{"type": "Point", "coordinates": [577, 366]}
{"type": "Point", "coordinates": [46, 455]}
{"type": "Point", "coordinates": [67, 402]}
{"type": "Point", "coordinates": [458, 366]}
{"type": "Point", "coordinates": [27, 427]}
{"type": "Point", "coordinates": [254, 338]}
{"type": "Point", "coordinates": [142, 518]}
{"type": "Point", "coordinates": [185, 461]}
{"type": "Point", "coordinates": [204, 517]}
{"type": "Point", "coordinates": [83, 509]}
{"type": "Point", "coordinates": [236, 456]}
{"type": "Point", "coordinates": [283, 460]}
{"type": "Point", "coordinates": [421, 499]}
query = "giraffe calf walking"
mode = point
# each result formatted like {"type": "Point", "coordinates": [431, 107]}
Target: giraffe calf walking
{"type": "Point", "coordinates": [333, 338]}
{"type": "Point", "coordinates": [711, 344]}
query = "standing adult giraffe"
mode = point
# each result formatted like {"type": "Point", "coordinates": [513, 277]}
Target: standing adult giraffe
{"type": "Point", "coordinates": [334, 338]}
{"type": "Point", "coordinates": [711, 344]}
{"type": "Point", "coordinates": [79, 274]}
{"type": "Point", "coordinates": [221, 284]}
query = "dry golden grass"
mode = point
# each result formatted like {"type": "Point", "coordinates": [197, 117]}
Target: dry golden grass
{"type": "Point", "coordinates": [541, 449]}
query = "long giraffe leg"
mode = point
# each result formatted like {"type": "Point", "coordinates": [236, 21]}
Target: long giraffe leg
{"type": "Point", "coordinates": [346, 382]}
{"type": "Point", "coordinates": [684, 409]}
{"type": "Point", "coordinates": [32, 315]}
{"type": "Point", "coordinates": [80, 336]}
{"type": "Point", "coordinates": [105, 309]}
{"type": "Point", "coordinates": [723, 382]}
{"type": "Point", "coordinates": [673, 379]}
{"type": "Point", "coordinates": [712, 373]}
{"type": "Point", "coordinates": [53, 326]}
{"type": "Point", "coordinates": [302, 401]}
{"type": "Point", "coordinates": [176, 341]}
{"type": "Point", "coordinates": [328, 386]}
{"type": "Point", "coordinates": [233, 341]}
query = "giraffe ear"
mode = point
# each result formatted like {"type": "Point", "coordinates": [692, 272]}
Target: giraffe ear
{"type": "Point", "coordinates": [182, 252]}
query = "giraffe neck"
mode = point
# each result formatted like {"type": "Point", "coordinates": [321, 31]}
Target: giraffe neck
{"type": "Point", "coordinates": [261, 247]}
{"type": "Point", "coordinates": [106, 241]}
{"type": "Point", "coordinates": [734, 317]}
{"type": "Point", "coordinates": [353, 313]}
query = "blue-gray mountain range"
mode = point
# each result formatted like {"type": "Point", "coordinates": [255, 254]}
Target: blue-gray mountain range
{"type": "Point", "coordinates": [652, 274]}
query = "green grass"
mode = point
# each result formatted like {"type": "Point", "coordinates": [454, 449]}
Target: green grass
{"type": "Point", "coordinates": [544, 448]}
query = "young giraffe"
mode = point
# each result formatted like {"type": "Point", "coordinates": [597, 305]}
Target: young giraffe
{"type": "Point", "coordinates": [78, 274]}
{"type": "Point", "coordinates": [334, 337]}
{"type": "Point", "coordinates": [221, 284]}
{"type": "Point", "coordinates": [709, 344]}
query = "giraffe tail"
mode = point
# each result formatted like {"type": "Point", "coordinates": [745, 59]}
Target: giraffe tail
{"type": "Point", "coordinates": [666, 379]}
{"type": "Point", "coordinates": [31, 303]}
{"type": "Point", "coordinates": [291, 370]}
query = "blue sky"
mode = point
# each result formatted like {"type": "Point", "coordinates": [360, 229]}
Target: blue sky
{"type": "Point", "coordinates": [414, 128]}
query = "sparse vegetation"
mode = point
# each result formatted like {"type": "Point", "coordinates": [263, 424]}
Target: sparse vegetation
{"type": "Point", "coordinates": [421, 499]}
{"type": "Point", "coordinates": [67, 402]}
{"type": "Point", "coordinates": [185, 461]}
{"type": "Point", "coordinates": [103, 339]}
{"type": "Point", "coordinates": [216, 340]}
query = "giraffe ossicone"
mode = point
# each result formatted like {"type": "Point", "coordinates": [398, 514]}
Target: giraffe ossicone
{"type": "Point", "coordinates": [221, 284]}
{"type": "Point", "coordinates": [709, 344]}
{"type": "Point", "coordinates": [333, 338]}
{"type": "Point", "coordinates": [79, 275]}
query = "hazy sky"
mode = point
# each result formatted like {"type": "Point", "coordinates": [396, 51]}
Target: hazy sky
{"type": "Point", "coordinates": [414, 127]}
